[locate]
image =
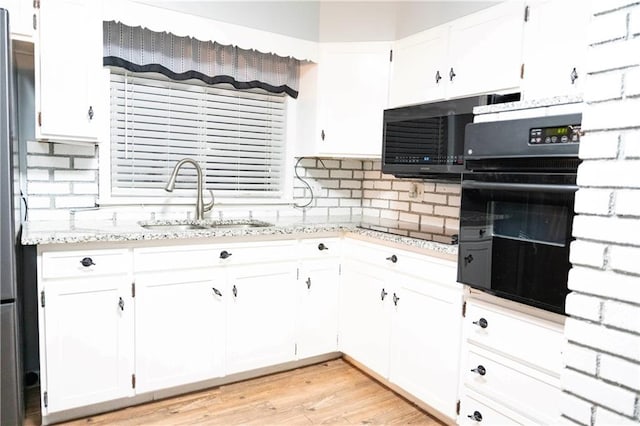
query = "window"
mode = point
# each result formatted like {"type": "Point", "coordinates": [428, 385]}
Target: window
{"type": "Point", "coordinates": [237, 136]}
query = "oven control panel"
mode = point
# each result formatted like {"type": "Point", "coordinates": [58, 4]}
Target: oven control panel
{"type": "Point", "coordinates": [554, 135]}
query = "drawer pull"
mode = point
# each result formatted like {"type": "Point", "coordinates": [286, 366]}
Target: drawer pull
{"type": "Point", "coordinates": [308, 282]}
{"type": "Point", "coordinates": [224, 254]}
{"type": "Point", "coordinates": [393, 258]}
{"type": "Point", "coordinates": [216, 291]}
{"type": "Point", "coordinates": [476, 416]}
{"type": "Point", "coordinates": [480, 370]}
{"type": "Point", "coordinates": [321, 247]}
{"type": "Point", "coordinates": [482, 323]}
{"type": "Point", "coordinates": [87, 261]}
{"type": "Point", "coordinates": [121, 304]}
{"type": "Point", "coordinates": [235, 291]}
{"type": "Point", "coordinates": [383, 294]}
{"type": "Point", "coordinates": [468, 259]}
{"type": "Point", "coordinates": [395, 299]}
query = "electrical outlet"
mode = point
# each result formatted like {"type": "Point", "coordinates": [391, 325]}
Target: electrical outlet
{"type": "Point", "coordinates": [416, 190]}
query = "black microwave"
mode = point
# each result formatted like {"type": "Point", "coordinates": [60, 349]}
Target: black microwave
{"type": "Point", "coordinates": [427, 140]}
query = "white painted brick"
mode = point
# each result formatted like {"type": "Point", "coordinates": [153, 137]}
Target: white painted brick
{"type": "Point", "coordinates": [632, 79]}
{"type": "Point", "coordinates": [52, 162]}
{"type": "Point", "coordinates": [602, 6]}
{"type": "Point", "coordinates": [606, 284]}
{"type": "Point", "coordinates": [356, 193]}
{"type": "Point", "coordinates": [625, 259]}
{"type": "Point", "coordinates": [385, 195]}
{"type": "Point", "coordinates": [399, 205]}
{"type": "Point", "coordinates": [590, 388]}
{"type": "Point", "coordinates": [619, 230]}
{"type": "Point", "coordinates": [431, 224]}
{"type": "Point", "coordinates": [609, 56]}
{"type": "Point", "coordinates": [48, 214]}
{"type": "Point", "coordinates": [37, 174]}
{"type": "Point", "coordinates": [346, 174]}
{"type": "Point", "coordinates": [580, 358]}
{"type": "Point", "coordinates": [620, 371]}
{"type": "Point", "coordinates": [34, 147]}
{"type": "Point", "coordinates": [370, 212]}
{"type": "Point", "coordinates": [608, 27]}
{"type": "Point", "coordinates": [358, 174]}
{"type": "Point", "coordinates": [372, 175]}
{"type": "Point", "coordinates": [587, 253]}
{"type": "Point", "coordinates": [602, 338]}
{"type": "Point", "coordinates": [601, 173]}
{"type": "Point", "coordinates": [367, 165]}
{"type": "Point", "coordinates": [380, 204]}
{"type": "Point", "coordinates": [622, 315]}
{"type": "Point", "coordinates": [327, 183]}
{"type": "Point", "coordinates": [593, 201]}
{"type": "Point", "coordinates": [35, 202]}
{"type": "Point", "coordinates": [389, 214]}
{"type": "Point", "coordinates": [327, 202]}
{"type": "Point", "coordinates": [420, 235]}
{"type": "Point", "coordinates": [581, 306]}
{"type": "Point", "coordinates": [453, 200]}
{"type": "Point", "coordinates": [605, 417]}
{"type": "Point", "coordinates": [368, 184]}
{"type": "Point", "coordinates": [297, 192]}
{"type": "Point", "coordinates": [318, 212]}
{"type": "Point", "coordinates": [353, 184]}
{"type": "Point", "coordinates": [451, 226]}
{"type": "Point", "coordinates": [400, 185]}
{"type": "Point", "coordinates": [448, 188]}
{"type": "Point", "coordinates": [377, 165]}
{"type": "Point", "coordinates": [74, 150]}
{"type": "Point", "coordinates": [565, 421]}
{"type": "Point", "coordinates": [634, 22]}
{"type": "Point", "coordinates": [408, 217]}
{"type": "Point", "coordinates": [330, 164]}
{"type": "Point", "coordinates": [630, 145]}
{"type": "Point", "coordinates": [48, 188]}
{"type": "Point", "coordinates": [85, 163]}
{"type": "Point", "coordinates": [603, 87]}
{"type": "Point", "coordinates": [612, 114]}
{"type": "Point", "coordinates": [74, 175]}
{"type": "Point", "coordinates": [599, 145]}
{"type": "Point", "coordinates": [447, 211]}
{"type": "Point", "coordinates": [356, 211]}
{"type": "Point", "coordinates": [308, 163]}
{"type": "Point", "coordinates": [74, 201]}
{"type": "Point", "coordinates": [349, 202]}
{"type": "Point", "coordinates": [442, 239]}
{"type": "Point", "coordinates": [351, 164]}
{"type": "Point", "coordinates": [382, 184]}
{"type": "Point", "coordinates": [627, 202]}
{"type": "Point", "coordinates": [318, 173]}
{"type": "Point", "coordinates": [428, 187]}
{"type": "Point", "coordinates": [339, 211]}
{"type": "Point", "coordinates": [422, 208]}
{"type": "Point", "coordinates": [430, 197]}
{"type": "Point", "coordinates": [576, 408]}
{"type": "Point", "coordinates": [339, 193]}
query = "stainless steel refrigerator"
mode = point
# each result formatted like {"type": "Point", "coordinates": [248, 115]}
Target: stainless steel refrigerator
{"type": "Point", "coordinates": [11, 399]}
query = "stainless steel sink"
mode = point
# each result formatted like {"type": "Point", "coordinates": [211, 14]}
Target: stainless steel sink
{"type": "Point", "coordinates": [172, 227]}
{"type": "Point", "coordinates": [237, 225]}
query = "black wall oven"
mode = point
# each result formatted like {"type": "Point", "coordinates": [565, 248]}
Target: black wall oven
{"type": "Point", "coordinates": [517, 208]}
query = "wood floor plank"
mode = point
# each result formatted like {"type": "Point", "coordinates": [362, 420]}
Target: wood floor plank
{"type": "Point", "coordinates": [329, 393]}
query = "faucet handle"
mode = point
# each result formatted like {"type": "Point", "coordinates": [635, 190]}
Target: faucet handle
{"type": "Point", "coordinates": [207, 207]}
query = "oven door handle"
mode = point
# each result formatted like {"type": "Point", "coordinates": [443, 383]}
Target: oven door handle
{"type": "Point", "coordinates": [530, 187]}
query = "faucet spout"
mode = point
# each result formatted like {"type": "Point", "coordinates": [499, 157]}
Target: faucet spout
{"type": "Point", "coordinates": [200, 206]}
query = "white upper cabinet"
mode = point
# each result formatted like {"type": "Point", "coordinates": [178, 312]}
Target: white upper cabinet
{"type": "Point", "coordinates": [344, 100]}
{"type": "Point", "coordinates": [555, 47]}
{"type": "Point", "coordinates": [68, 56]}
{"type": "Point", "coordinates": [20, 18]}
{"type": "Point", "coordinates": [478, 53]}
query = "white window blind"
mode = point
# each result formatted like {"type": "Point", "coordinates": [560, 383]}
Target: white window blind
{"type": "Point", "coordinates": [238, 137]}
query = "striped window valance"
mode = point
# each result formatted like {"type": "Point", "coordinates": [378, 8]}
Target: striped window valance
{"type": "Point", "coordinates": [139, 49]}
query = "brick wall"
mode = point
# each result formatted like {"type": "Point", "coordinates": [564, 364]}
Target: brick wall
{"type": "Point", "coordinates": [601, 379]}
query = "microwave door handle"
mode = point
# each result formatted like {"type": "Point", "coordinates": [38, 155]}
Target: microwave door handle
{"type": "Point", "coordinates": [529, 187]}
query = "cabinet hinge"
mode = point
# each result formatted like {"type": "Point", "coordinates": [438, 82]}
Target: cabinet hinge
{"type": "Point", "coordinates": [133, 381]}
{"type": "Point", "coordinates": [42, 298]}
{"type": "Point", "coordinates": [295, 349]}
{"type": "Point", "coordinates": [297, 274]}
{"type": "Point", "coordinates": [36, 4]}
{"type": "Point", "coordinates": [337, 340]}
{"type": "Point", "coordinates": [526, 14]}
{"type": "Point", "coordinates": [35, 22]}
{"type": "Point", "coordinates": [340, 269]}
{"type": "Point", "coordinates": [458, 407]}
{"type": "Point", "coordinates": [133, 289]}
{"type": "Point", "coordinates": [391, 55]}
{"type": "Point", "coordinates": [464, 309]}
{"type": "Point", "coordinates": [521, 71]}
{"type": "Point", "coordinates": [45, 398]}
{"type": "Point", "coordinates": [39, 119]}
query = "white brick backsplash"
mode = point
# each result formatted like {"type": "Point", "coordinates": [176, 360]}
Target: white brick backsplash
{"type": "Point", "coordinates": [434, 225]}
{"type": "Point", "coordinates": [326, 183]}
{"type": "Point", "coordinates": [603, 338]}
{"type": "Point", "coordinates": [48, 162]}
{"type": "Point", "coordinates": [625, 259]}
{"type": "Point", "coordinates": [576, 408]}
{"type": "Point", "coordinates": [385, 195]}
{"type": "Point", "coordinates": [399, 205]}
{"type": "Point", "coordinates": [620, 371]}
{"type": "Point", "coordinates": [85, 163]}
{"type": "Point", "coordinates": [339, 193]}
{"type": "Point", "coordinates": [630, 146]}
{"type": "Point", "coordinates": [374, 174]}
{"type": "Point", "coordinates": [351, 164]}
{"type": "Point", "coordinates": [330, 164]}
{"type": "Point", "coordinates": [603, 87]}
{"type": "Point", "coordinates": [50, 188]}
{"type": "Point", "coordinates": [380, 204]}
{"type": "Point", "coordinates": [367, 165]}
{"type": "Point", "coordinates": [590, 388]}
{"type": "Point", "coordinates": [84, 188]}
{"type": "Point", "coordinates": [369, 212]}
{"type": "Point", "coordinates": [599, 145]}
{"type": "Point", "coordinates": [367, 184]}
{"type": "Point", "coordinates": [632, 78]}
{"type": "Point", "coordinates": [308, 163]}
{"type": "Point", "coordinates": [604, 283]}
{"type": "Point", "coordinates": [447, 211]}
{"type": "Point", "coordinates": [599, 7]}
{"type": "Point", "coordinates": [339, 211]}
{"type": "Point", "coordinates": [382, 184]}
{"type": "Point", "coordinates": [611, 56]}
{"type": "Point", "coordinates": [356, 193]}
{"type": "Point", "coordinates": [74, 150]}
{"type": "Point", "coordinates": [580, 358]}
{"type": "Point", "coordinates": [327, 202]}
{"type": "Point", "coordinates": [593, 201]}
{"type": "Point", "coordinates": [619, 230]}
{"type": "Point", "coordinates": [389, 214]}
{"type": "Point", "coordinates": [453, 200]}
{"type": "Point", "coordinates": [448, 188]}
{"type": "Point", "coordinates": [74, 175]}
{"type": "Point", "coordinates": [430, 197]}
{"type": "Point", "coordinates": [608, 27]}
{"type": "Point", "coordinates": [74, 201]}
{"type": "Point", "coordinates": [346, 174]}
{"type": "Point", "coordinates": [353, 184]}
{"type": "Point", "coordinates": [408, 217]}
{"type": "Point", "coordinates": [350, 202]}
{"type": "Point", "coordinates": [612, 114]}
{"type": "Point", "coordinates": [317, 173]}
{"type": "Point", "coordinates": [451, 226]}
{"type": "Point", "coordinates": [399, 185]}
{"type": "Point", "coordinates": [358, 174]}
{"type": "Point", "coordinates": [48, 214]}
{"type": "Point", "coordinates": [622, 315]}
{"type": "Point", "coordinates": [37, 174]}
{"type": "Point", "coordinates": [581, 306]}
{"type": "Point", "coordinates": [628, 202]}
{"type": "Point", "coordinates": [587, 253]}
{"type": "Point", "coordinates": [605, 417]}
{"type": "Point", "coordinates": [422, 208]}
{"type": "Point", "coordinates": [39, 202]}
{"type": "Point", "coordinates": [34, 147]}
{"type": "Point", "coordinates": [428, 187]}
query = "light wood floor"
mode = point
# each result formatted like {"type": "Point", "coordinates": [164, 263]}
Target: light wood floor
{"type": "Point", "coordinates": [332, 392]}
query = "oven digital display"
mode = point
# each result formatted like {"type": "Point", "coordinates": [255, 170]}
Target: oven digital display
{"type": "Point", "coordinates": [554, 135]}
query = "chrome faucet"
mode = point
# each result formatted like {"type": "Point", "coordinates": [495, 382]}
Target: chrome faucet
{"type": "Point", "coordinates": [200, 206]}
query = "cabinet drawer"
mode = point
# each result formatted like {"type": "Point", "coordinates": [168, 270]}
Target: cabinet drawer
{"type": "Point", "coordinates": [531, 340]}
{"type": "Point", "coordinates": [251, 253]}
{"type": "Point", "coordinates": [174, 258]}
{"type": "Point", "coordinates": [473, 405]}
{"type": "Point", "coordinates": [85, 263]}
{"type": "Point", "coordinates": [319, 248]}
{"type": "Point", "coordinates": [521, 388]}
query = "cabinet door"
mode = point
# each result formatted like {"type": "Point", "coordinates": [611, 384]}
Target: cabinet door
{"type": "Point", "coordinates": [419, 68]}
{"type": "Point", "coordinates": [554, 47]}
{"type": "Point", "coordinates": [485, 50]}
{"type": "Point", "coordinates": [425, 341]}
{"type": "Point", "coordinates": [68, 69]}
{"type": "Point", "coordinates": [318, 286]}
{"type": "Point", "coordinates": [365, 310]}
{"type": "Point", "coordinates": [180, 328]}
{"type": "Point", "coordinates": [260, 316]}
{"type": "Point", "coordinates": [352, 94]}
{"type": "Point", "coordinates": [88, 341]}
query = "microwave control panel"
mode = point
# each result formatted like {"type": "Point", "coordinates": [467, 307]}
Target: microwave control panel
{"type": "Point", "coordinates": [555, 135]}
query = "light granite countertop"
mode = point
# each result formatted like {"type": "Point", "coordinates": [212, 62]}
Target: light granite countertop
{"type": "Point", "coordinates": [66, 232]}
{"type": "Point", "coordinates": [527, 104]}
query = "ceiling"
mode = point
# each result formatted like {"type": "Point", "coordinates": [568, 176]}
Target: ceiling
{"type": "Point", "coordinates": [331, 20]}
